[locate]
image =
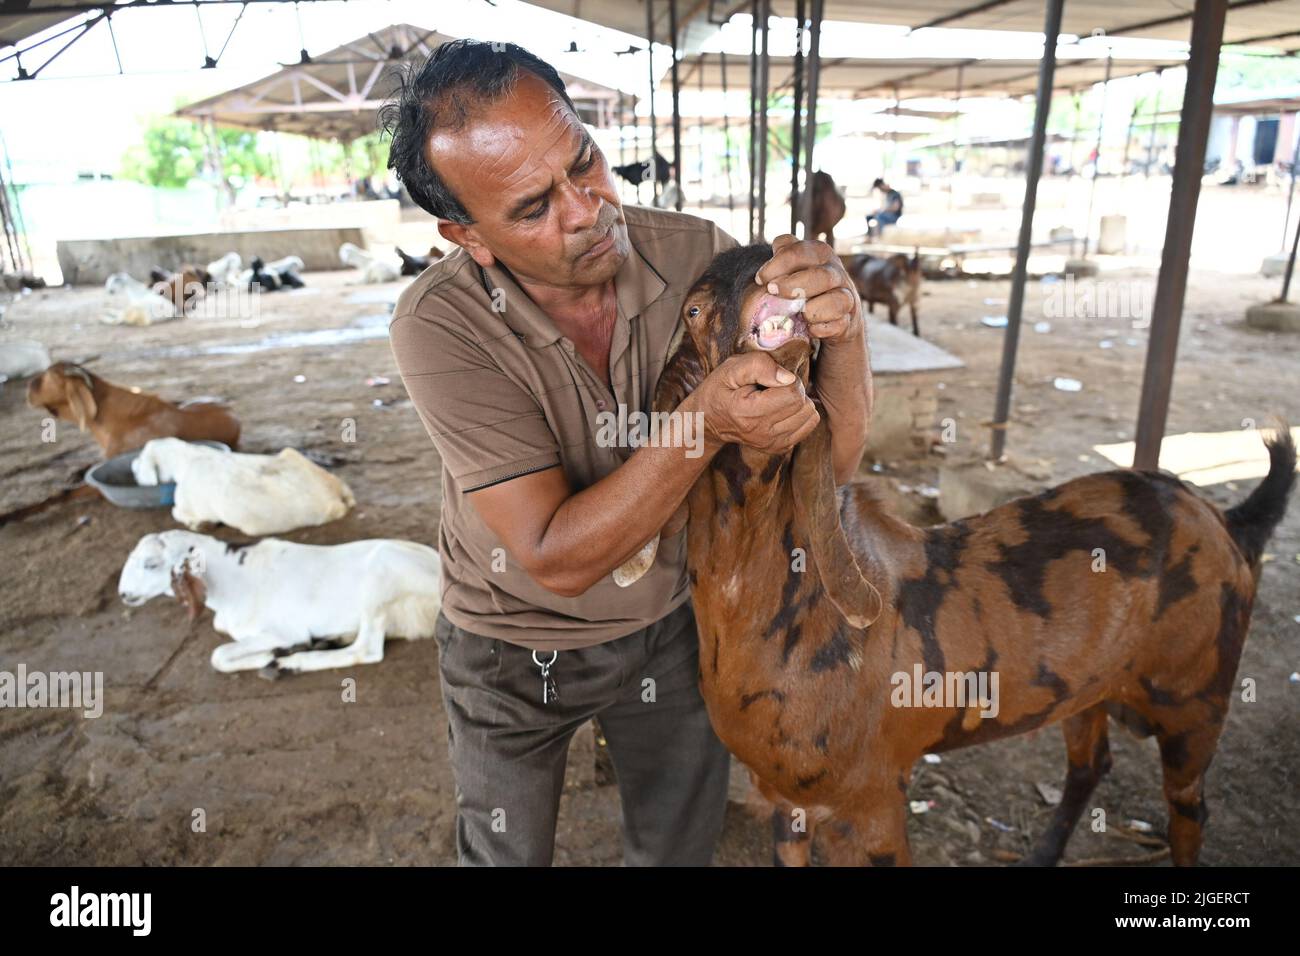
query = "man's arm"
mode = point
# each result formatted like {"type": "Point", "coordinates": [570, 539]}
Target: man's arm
{"type": "Point", "coordinates": [568, 541]}
{"type": "Point", "coordinates": [811, 270]}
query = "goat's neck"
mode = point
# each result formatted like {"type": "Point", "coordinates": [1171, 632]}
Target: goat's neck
{"type": "Point", "coordinates": [219, 562]}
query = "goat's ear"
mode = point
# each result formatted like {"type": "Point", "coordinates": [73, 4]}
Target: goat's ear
{"type": "Point", "coordinates": [681, 375]}
{"type": "Point", "coordinates": [817, 511]}
{"type": "Point", "coordinates": [631, 570]}
{"type": "Point", "coordinates": [81, 401]}
{"type": "Point", "coordinates": [189, 588]}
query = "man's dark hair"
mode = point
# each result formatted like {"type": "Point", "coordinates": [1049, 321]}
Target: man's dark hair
{"type": "Point", "coordinates": [458, 76]}
{"type": "Point", "coordinates": [878, 184]}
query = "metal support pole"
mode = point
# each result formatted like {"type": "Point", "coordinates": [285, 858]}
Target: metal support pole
{"type": "Point", "coordinates": [677, 111]}
{"type": "Point", "coordinates": [1290, 193]}
{"type": "Point", "coordinates": [1033, 170]}
{"type": "Point", "coordinates": [956, 125]}
{"type": "Point", "coordinates": [1171, 284]}
{"type": "Point", "coordinates": [699, 130]}
{"type": "Point", "coordinates": [1151, 140]}
{"type": "Point", "coordinates": [622, 131]}
{"type": "Point", "coordinates": [726, 143]}
{"type": "Point", "coordinates": [1290, 265]}
{"type": "Point", "coordinates": [1096, 163]}
{"type": "Point", "coordinates": [810, 135]}
{"type": "Point", "coordinates": [795, 144]}
{"type": "Point", "coordinates": [753, 113]}
{"type": "Point", "coordinates": [654, 125]}
{"type": "Point", "coordinates": [765, 11]}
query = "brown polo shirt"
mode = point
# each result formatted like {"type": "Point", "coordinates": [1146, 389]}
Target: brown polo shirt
{"type": "Point", "coordinates": [503, 394]}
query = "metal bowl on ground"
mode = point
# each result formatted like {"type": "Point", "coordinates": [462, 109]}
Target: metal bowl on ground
{"type": "Point", "coordinates": [114, 480]}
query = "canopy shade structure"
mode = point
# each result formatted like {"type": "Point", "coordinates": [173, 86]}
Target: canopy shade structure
{"type": "Point", "coordinates": [929, 77]}
{"type": "Point", "coordinates": [629, 16]}
{"type": "Point", "coordinates": [18, 21]}
{"type": "Point", "coordinates": [1287, 101]}
{"type": "Point", "coordinates": [336, 94]}
{"type": "Point", "coordinates": [1266, 22]}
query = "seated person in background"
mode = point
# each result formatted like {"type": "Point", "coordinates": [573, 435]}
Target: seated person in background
{"type": "Point", "coordinates": [887, 214]}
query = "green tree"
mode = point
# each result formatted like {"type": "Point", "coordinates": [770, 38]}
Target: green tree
{"type": "Point", "coordinates": [172, 152]}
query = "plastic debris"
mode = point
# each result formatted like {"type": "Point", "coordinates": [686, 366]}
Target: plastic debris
{"type": "Point", "coordinates": [1106, 344]}
{"type": "Point", "coordinates": [1042, 328]}
{"type": "Point", "coordinates": [994, 321]}
{"type": "Point", "coordinates": [932, 758]}
{"type": "Point", "coordinates": [921, 806]}
{"type": "Point", "coordinates": [999, 825]}
{"type": "Point", "coordinates": [300, 379]}
{"type": "Point", "coordinates": [1295, 677]}
{"type": "Point", "coordinates": [1141, 826]}
{"type": "Point", "coordinates": [1051, 795]}
{"type": "Point", "coordinates": [1067, 384]}
{"type": "Point", "coordinates": [375, 381]}
{"type": "Point", "coordinates": [995, 301]}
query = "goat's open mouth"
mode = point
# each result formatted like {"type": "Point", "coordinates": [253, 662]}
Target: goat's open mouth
{"type": "Point", "coordinates": [777, 321]}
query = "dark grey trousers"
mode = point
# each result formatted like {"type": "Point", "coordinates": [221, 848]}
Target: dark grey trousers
{"type": "Point", "coordinates": [508, 749]}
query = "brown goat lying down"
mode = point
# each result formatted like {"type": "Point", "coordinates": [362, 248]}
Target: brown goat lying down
{"type": "Point", "coordinates": [122, 419]}
{"type": "Point", "coordinates": [1121, 593]}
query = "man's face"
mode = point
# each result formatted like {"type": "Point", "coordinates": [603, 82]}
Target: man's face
{"type": "Point", "coordinates": [539, 191]}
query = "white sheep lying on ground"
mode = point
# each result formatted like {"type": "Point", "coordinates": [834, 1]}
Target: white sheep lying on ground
{"type": "Point", "coordinates": [372, 270]}
{"type": "Point", "coordinates": [281, 601]}
{"type": "Point", "coordinates": [258, 494]}
{"type": "Point", "coordinates": [143, 306]}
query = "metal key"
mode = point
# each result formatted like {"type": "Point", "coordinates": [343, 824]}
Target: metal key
{"type": "Point", "coordinates": [549, 693]}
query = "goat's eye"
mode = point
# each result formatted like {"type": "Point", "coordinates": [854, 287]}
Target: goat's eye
{"type": "Point", "coordinates": [152, 565]}
{"type": "Point", "coordinates": [693, 311]}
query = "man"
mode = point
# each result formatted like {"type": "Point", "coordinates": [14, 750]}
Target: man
{"type": "Point", "coordinates": [560, 305]}
{"type": "Point", "coordinates": [889, 213]}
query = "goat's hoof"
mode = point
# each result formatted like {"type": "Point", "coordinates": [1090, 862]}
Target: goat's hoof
{"type": "Point", "coordinates": [271, 671]}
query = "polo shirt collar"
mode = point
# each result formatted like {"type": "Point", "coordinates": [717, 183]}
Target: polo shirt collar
{"type": "Point", "coordinates": [637, 285]}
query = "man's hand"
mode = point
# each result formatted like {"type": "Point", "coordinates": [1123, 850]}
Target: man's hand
{"type": "Point", "coordinates": [751, 400]}
{"type": "Point", "coordinates": [810, 269]}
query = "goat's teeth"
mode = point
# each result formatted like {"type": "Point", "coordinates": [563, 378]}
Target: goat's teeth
{"type": "Point", "coordinates": [788, 324]}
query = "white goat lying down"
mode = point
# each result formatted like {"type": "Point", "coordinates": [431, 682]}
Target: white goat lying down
{"type": "Point", "coordinates": [143, 306]}
{"type": "Point", "coordinates": [257, 494]}
{"type": "Point", "coordinates": [281, 601]}
{"type": "Point", "coordinates": [225, 271]}
{"type": "Point", "coordinates": [372, 270]}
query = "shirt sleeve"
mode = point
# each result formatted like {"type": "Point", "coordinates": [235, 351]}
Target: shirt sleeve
{"type": "Point", "coordinates": [722, 240]}
{"type": "Point", "coordinates": [486, 426]}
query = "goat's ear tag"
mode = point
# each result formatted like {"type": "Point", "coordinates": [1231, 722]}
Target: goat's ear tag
{"type": "Point", "coordinates": [817, 509]}
{"type": "Point", "coordinates": [632, 570]}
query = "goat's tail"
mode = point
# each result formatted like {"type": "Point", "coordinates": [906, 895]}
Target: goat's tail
{"type": "Point", "coordinates": [1251, 523]}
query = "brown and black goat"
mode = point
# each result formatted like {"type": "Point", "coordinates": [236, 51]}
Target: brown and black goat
{"type": "Point", "coordinates": [894, 281]}
{"type": "Point", "coordinates": [1121, 593]}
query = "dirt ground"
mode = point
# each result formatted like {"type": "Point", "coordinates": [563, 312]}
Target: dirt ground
{"type": "Point", "coordinates": [287, 773]}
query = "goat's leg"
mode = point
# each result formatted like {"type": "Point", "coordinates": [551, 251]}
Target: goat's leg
{"type": "Point", "coordinates": [1087, 746]}
{"type": "Point", "coordinates": [1185, 755]}
{"type": "Point", "coordinates": [916, 328]}
{"type": "Point", "coordinates": [241, 656]}
{"type": "Point", "coordinates": [791, 837]}
{"type": "Point", "coordinates": [875, 835]}
{"type": "Point", "coordinates": [367, 648]}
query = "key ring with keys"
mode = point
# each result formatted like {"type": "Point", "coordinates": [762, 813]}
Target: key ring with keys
{"type": "Point", "coordinates": [549, 691]}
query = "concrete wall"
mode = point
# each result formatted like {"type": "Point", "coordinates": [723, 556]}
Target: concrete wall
{"type": "Point", "coordinates": [903, 415]}
{"type": "Point", "coordinates": [91, 261]}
